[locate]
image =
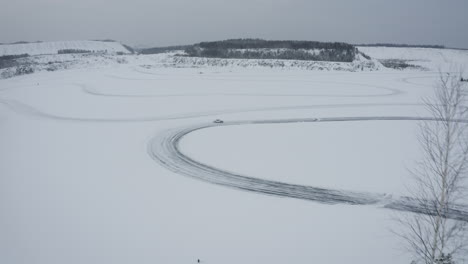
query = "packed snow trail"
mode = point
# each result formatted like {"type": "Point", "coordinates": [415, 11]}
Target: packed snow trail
{"type": "Point", "coordinates": [22, 108]}
{"type": "Point", "coordinates": [164, 149]}
{"type": "Point", "coordinates": [28, 110]}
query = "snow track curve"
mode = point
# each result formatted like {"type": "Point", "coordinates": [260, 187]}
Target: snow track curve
{"type": "Point", "coordinates": [164, 149]}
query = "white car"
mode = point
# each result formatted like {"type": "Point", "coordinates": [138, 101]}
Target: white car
{"type": "Point", "coordinates": [218, 121]}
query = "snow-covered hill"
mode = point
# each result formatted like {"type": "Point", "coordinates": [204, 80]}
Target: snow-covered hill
{"type": "Point", "coordinates": [368, 59]}
{"type": "Point", "coordinates": [427, 58]}
{"type": "Point", "coordinates": [359, 64]}
{"type": "Point", "coordinates": [42, 48]}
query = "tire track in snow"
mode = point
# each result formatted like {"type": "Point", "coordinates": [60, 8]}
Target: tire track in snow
{"type": "Point", "coordinates": [389, 90]}
{"type": "Point", "coordinates": [165, 149]}
{"type": "Point", "coordinates": [28, 110]}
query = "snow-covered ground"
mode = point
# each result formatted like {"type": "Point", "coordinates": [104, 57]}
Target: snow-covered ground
{"type": "Point", "coordinates": [77, 183]}
{"type": "Point", "coordinates": [41, 48]}
{"type": "Point", "coordinates": [347, 156]}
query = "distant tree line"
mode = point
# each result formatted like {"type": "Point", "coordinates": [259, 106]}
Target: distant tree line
{"type": "Point", "coordinates": [21, 42]}
{"type": "Point", "coordinates": [268, 49]}
{"type": "Point", "coordinates": [70, 51]}
{"type": "Point", "coordinates": [281, 54]}
{"type": "Point", "coordinates": [12, 57]}
{"type": "Point", "coordinates": [104, 40]}
{"type": "Point", "coordinates": [158, 50]}
{"type": "Point", "coordinates": [398, 64]}
{"type": "Point", "coordinates": [14, 65]}
{"type": "Point", "coordinates": [7, 61]}
{"type": "Point", "coordinates": [393, 45]}
{"type": "Point", "coordinates": [273, 44]}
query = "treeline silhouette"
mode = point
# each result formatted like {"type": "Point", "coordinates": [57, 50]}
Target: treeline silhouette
{"type": "Point", "coordinates": [163, 49]}
{"type": "Point", "coordinates": [70, 51]}
{"type": "Point", "coordinates": [10, 60]}
{"type": "Point", "coordinates": [21, 42]}
{"type": "Point", "coordinates": [393, 45]}
{"type": "Point", "coordinates": [274, 49]}
{"type": "Point", "coordinates": [273, 44]}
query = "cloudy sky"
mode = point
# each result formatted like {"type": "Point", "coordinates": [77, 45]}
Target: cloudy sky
{"type": "Point", "coordinates": [171, 22]}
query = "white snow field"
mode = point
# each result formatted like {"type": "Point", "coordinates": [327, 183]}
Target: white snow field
{"type": "Point", "coordinates": [41, 48]}
{"type": "Point", "coordinates": [82, 178]}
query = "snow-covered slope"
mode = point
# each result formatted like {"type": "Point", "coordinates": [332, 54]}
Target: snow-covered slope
{"type": "Point", "coordinates": [408, 59]}
{"type": "Point", "coordinates": [359, 64]}
{"type": "Point", "coordinates": [41, 48]}
{"type": "Point", "coordinates": [428, 58]}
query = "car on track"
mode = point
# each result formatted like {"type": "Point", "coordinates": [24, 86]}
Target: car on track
{"type": "Point", "coordinates": [218, 121]}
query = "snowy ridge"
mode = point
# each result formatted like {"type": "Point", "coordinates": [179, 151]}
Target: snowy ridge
{"type": "Point", "coordinates": [428, 58]}
{"type": "Point", "coordinates": [59, 62]}
{"type": "Point", "coordinates": [43, 48]}
{"type": "Point", "coordinates": [368, 59]}
{"type": "Point", "coordinates": [359, 64]}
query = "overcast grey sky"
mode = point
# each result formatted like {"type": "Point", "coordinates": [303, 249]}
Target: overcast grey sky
{"type": "Point", "coordinates": [164, 22]}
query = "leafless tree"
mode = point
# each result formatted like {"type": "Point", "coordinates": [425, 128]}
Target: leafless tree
{"type": "Point", "coordinates": [440, 177]}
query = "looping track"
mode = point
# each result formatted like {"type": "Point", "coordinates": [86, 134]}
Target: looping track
{"type": "Point", "coordinates": [164, 149]}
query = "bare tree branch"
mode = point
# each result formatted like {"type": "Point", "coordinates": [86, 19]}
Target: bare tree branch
{"type": "Point", "coordinates": [440, 177]}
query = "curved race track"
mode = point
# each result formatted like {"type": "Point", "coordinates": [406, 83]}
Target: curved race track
{"type": "Point", "coordinates": [22, 108]}
{"type": "Point", "coordinates": [165, 150]}
{"type": "Point", "coordinates": [165, 147]}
